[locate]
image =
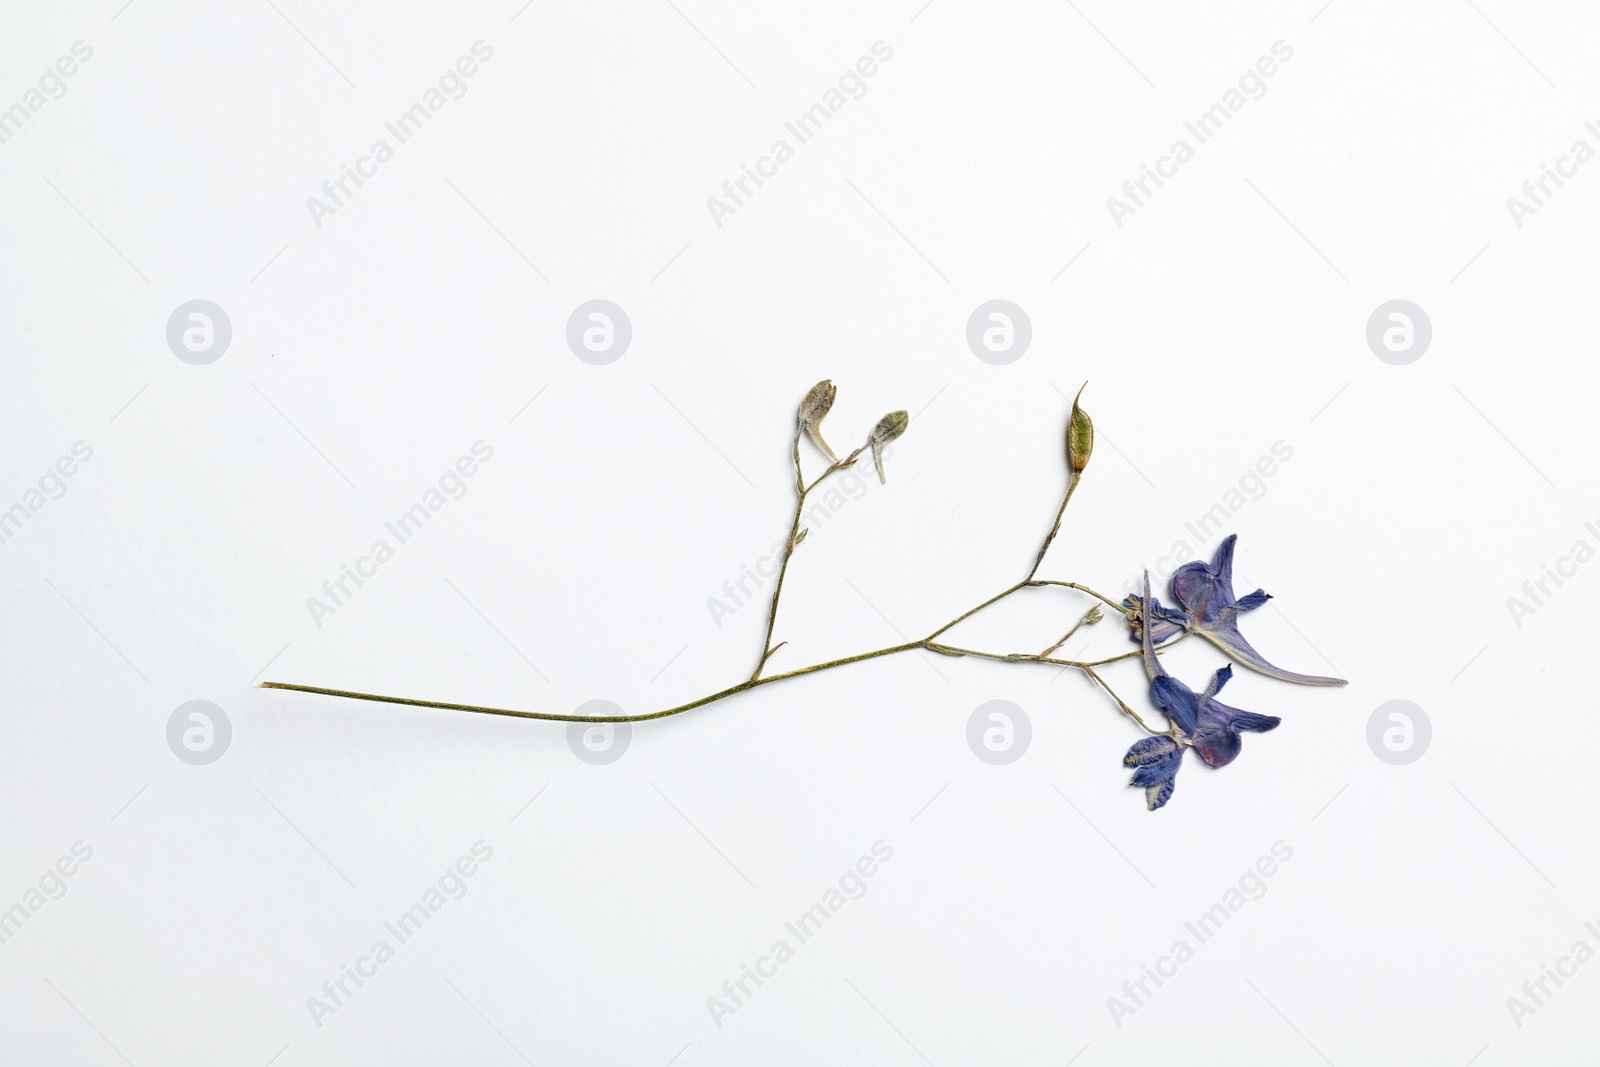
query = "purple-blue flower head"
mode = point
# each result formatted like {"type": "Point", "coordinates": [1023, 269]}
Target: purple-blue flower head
{"type": "Point", "coordinates": [1200, 722]}
{"type": "Point", "coordinates": [1205, 593]}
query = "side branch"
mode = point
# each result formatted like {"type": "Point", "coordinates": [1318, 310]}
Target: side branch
{"type": "Point", "coordinates": [1072, 485]}
{"type": "Point", "coordinates": [802, 490]}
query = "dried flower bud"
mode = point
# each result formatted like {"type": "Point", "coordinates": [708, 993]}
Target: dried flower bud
{"type": "Point", "coordinates": [1080, 436]}
{"type": "Point", "coordinates": [1093, 616]}
{"type": "Point", "coordinates": [801, 536]}
{"type": "Point", "coordinates": [812, 411]}
{"type": "Point", "coordinates": [889, 427]}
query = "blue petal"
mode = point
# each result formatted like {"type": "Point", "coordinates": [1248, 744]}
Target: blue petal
{"type": "Point", "coordinates": [1165, 622]}
{"type": "Point", "coordinates": [1207, 591]}
{"type": "Point", "coordinates": [1148, 750]}
{"type": "Point", "coordinates": [1217, 739]}
{"type": "Point", "coordinates": [1191, 587]}
{"type": "Point", "coordinates": [1217, 746]}
{"type": "Point", "coordinates": [1222, 562]}
{"type": "Point", "coordinates": [1160, 771]}
{"type": "Point", "coordinates": [1218, 680]}
{"type": "Point", "coordinates": [1176, 701]}
{"type": "Point", "coordinates": [1157, 795]}
{"type": "Point", "coordinates": [1251, 601]}
{"type": "Point", "coordinates": [1256, 724]}
{"type": "Point", "coordinates": [1214, 713]}
{"type": "Point", "coordinates": [1224, 633]}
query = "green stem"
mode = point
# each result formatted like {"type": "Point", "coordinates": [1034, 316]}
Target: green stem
{"type": "Point", "coordinates": [1129, 712]}
{"type": "Point", "coordinates": [926, 643]}
{"type": "Point", "coordinates": [973, 611]}
{"type": "Point", "coordinates": [1072, 485]}
{"type": "Point", "coordinates": [783, 567]}
{"type": "Point", "coordinates": [1086, 668]}
{"type": "Point", "coordinates": [1082, 589]}
{"type": "Point", "coordinates": [1092, 615]}
{"type": "Point", "coordinates": [551, 717]}
{"type": "Point", "coordinates": [802, 490]}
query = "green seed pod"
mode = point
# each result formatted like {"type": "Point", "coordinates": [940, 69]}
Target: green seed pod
{"type": "Point", "coordinates": [889, 427]}
{"type": "Point", "coordinates": [1080, 436]}
{"type": "Point", "coordinates": [814, 408]}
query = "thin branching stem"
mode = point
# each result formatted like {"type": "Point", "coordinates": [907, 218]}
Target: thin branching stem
{"type": "Point", "coordinates": [1072, 485]}
{"type": "Point", "coordinates": [783, 567]}
{"type": "Point", "coordinates": [928, 644]}
{"type": "Point", "coordinates": [802, 490]}
{"type": "Point", "coordinates": [1090, 616]}
{"type": "Point", "coordinates": [721, 694]}
{"type": "Point", "coordinates": [965, 615]}
{"type": "Point", "coordinates": [1082, 589]}
{"type": "Point", "coordinates": [1123, 704]}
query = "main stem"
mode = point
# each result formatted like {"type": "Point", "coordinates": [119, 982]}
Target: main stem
{"type": "Point", "coordinates": [721, 694]}
{"type": "Point", "coordinates": [928, 643]}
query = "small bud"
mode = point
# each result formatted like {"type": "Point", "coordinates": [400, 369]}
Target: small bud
{"type": "Point", "coordinates": [1093, 615]}
{"type": "Point", "coordinates": [801, 536]}
{"type": "Point", "coordinates": [1080, 436]}
{"type": "Point", "coordinates": [812, 411]}
{"type": "Point", "coordinates": [889, 427]}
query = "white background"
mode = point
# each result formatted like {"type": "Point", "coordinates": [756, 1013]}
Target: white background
{"type": "Point", "coordinates": [369, 353]}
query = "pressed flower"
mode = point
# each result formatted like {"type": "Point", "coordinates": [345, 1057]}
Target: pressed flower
{"type": "Point", "coordinates": [1200, 721]}
{"type": "Point", "coordinates": [1202, 602]}
{"type": "Point", "coordinates": [1205, 593]}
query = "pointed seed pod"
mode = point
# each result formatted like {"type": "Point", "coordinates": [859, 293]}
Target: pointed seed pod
{"type": "Point", "coordinates": [889, 427]}
{"type": "Point", "coordinates": [812, 411]}
{"type": "Point", "coordinates": [1080, 436]}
